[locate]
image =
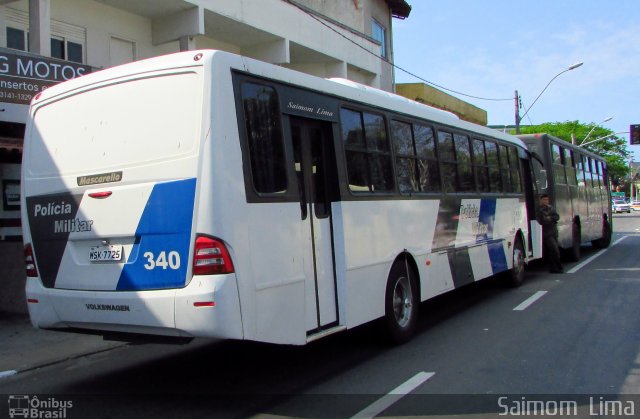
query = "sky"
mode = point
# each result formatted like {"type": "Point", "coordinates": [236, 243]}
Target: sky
{"type": "Point", "coordinates": [490, 48]}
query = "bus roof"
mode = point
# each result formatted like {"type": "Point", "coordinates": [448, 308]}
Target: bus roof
{"type": "Point", "coordinates": [533, 138]}
{"type": "Point", "coordinates": [336, 87]}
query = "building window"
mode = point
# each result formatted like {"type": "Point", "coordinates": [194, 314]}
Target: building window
{"type": "Point", "coordinates": [74, 52]}
{"type": "Point", "coordinates": [68, 41]}
{"type": "Point", "coordinates": [61, 48]}
{"type": "Point", "coordinates": [66, 50]}
{"type": "Point", "coordinates": [121, 51]}
{"type": "Point", "coordinates": [16, 39]}
{"type": "Point", "coordinates": [378, 32]}
{"type": "Point", "coordinates": [57, 48]}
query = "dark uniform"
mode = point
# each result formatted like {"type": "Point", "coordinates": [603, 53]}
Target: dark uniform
{"type": "Point", "coordinates": [548, 218]}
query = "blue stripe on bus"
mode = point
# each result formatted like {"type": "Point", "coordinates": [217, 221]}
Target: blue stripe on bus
{"type": "Point", "coordinates": [160, 257]}
{"type": "Point", "coordinates": [497, 257]}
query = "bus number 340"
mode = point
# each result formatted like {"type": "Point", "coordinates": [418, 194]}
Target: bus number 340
{"type": "Point", "coordinates": [164, 261]}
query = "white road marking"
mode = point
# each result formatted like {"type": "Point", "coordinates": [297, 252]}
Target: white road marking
{"type": "Point", "coordinates": [526, 303]}
{"type": "Point", "coordinates": [8, 373]}
{"type": "Point", "coordinates": [586, 261]}
{"type": "Point", "coordinates": [393, 396]}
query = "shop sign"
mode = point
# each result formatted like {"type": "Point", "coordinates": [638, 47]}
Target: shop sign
{"type": "Point", "coordinates": [23, 76]}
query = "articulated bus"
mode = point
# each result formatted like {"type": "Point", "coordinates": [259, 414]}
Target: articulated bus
{"type": "Point", "coordinates": [578, 184]}
{"type": "Point", "coordinates": [205, 194]}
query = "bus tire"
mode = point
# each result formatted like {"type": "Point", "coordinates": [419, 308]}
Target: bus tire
{"type": "Point", "coordinates": [401, 303]}
{"type": "Point", "coordinates": [604, 241]}
{"type": "Point", "coordinates": [572, 254]}
{"type": "Point", "coordinates": [515, 276]}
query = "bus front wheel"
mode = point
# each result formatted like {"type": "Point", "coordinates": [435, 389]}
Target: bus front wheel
{"type": "Point", "coordinates": [401, 303]}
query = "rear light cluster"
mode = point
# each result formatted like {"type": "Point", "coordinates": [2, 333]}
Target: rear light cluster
{"type": "Point", "coordinates": [211, 257]}
{"type": "Point", "coordinates": [30, 262]}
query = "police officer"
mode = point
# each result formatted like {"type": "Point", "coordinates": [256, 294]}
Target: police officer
{"type": "Point", "coordinates": [548, 218]}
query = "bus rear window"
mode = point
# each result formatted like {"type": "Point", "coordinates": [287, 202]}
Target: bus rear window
{"type": "Point", "coordinates": [124, 124]}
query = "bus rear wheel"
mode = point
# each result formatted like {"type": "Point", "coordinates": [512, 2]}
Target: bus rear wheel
{"type": "Point", "coordinates": [605, 240]}
{"type": "Point", "coordinates": [401, 303]}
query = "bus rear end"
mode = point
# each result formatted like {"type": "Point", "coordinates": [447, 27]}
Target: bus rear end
{"type": "Point", "coordinates": [109, 197]}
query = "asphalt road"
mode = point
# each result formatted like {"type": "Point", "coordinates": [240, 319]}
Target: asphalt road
{"type": "Point", "coordinates": [479, 352]}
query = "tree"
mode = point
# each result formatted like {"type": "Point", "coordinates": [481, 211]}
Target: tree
{"type": "Point", "coordinates": [613, 148]}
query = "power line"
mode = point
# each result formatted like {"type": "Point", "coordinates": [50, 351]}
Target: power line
{"type": "Point", "coordinates": [322, 22]}
{"type": "Point", "coordinates": [526, 113]}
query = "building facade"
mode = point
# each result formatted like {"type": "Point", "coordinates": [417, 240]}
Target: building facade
{"type": "Point", "coordinates": [43, 42]}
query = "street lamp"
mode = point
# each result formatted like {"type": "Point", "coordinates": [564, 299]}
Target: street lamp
{"type": "Point", "coordinates": [582, 144]}
{"type": "Point", "coordinates": [594, 127]}
{"type": "Point", "coordinates": [517, 98]}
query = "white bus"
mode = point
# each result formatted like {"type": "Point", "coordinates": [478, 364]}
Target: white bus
{"type": "Point", "coordinates": [205, 194]}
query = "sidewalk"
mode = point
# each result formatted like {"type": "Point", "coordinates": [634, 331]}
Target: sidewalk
{"type": "Point", "coordinates": [22, 347]}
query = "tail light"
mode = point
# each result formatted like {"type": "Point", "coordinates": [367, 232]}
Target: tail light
{"type": "Point", "coordinates": [211, 257]}
{"type": "Point", "coordinates": [30, 262]}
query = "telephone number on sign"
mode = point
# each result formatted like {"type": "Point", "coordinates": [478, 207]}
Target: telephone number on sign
{"type": "Point", "coordinates": [15, 96]}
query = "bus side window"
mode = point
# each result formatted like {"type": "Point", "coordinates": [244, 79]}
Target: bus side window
{"type": "Point", "coordinates": [558, 164]}
{"type": "Point", "coordinates": [481, 166]}
{"type": "Point", "coordinates": [579, 170]}
{"type": "Point", "coordinates": [446, 152]}
{"type": "Point", "coordinates": [588, 177]}
{"type": "Point", "coordinates": [555, 154]}
{"type": "Point", "coordinates": [367, 151]}
{"type": "Point", "coordinates": [428, 160]}
{"type": "Point", "coordinates": [598, 172]}
{"type": "Point", "coordinates": [514, 169]}
{"type": "Point", "coordinates": [494, 166]}
{"type": "Point", "coordinates": [416, 163]}
{"type": "Point", "coordinates": [407, 170]}
{"type": "Point", "coordinates": [540, 175]}
{"type": "Point", "coordinates": [504, 168]}
{"type": "Point", "coordinates": [570, 167]}
{"type": "Point", "coordinates": [265, 139]}
{"type": "Point", "coordinates": [463, 163]}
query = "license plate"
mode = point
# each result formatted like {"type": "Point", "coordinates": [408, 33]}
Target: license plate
{"type": "Point", "coordinates": [109, 253]}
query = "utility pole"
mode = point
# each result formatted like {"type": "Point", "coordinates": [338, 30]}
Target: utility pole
{"type": "Point", "coordinates": [517, 100]}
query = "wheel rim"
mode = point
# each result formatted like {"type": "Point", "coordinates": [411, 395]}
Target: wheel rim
{"type": "Point", "coordinates": [402, 301]}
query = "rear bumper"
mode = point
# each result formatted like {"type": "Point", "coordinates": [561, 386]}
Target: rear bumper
{"type": "Point", "coordinates": [207, 307]}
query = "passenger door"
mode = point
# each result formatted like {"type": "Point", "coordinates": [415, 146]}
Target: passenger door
{"type": "Point", "coordinates": [313, 158]}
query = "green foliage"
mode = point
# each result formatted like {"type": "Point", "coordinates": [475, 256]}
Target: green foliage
{"type": "Point", "coordinates": [613, 148]}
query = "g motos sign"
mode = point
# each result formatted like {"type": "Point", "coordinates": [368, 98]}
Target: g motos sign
{"type": "Point", "coordinates": [23, 76]}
